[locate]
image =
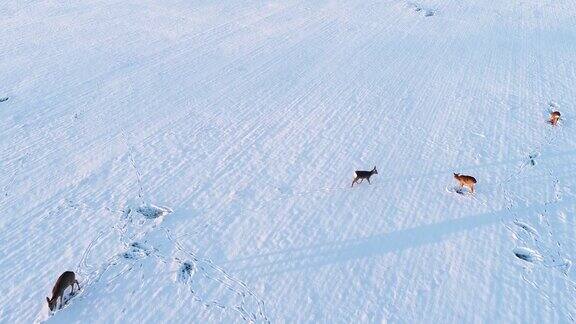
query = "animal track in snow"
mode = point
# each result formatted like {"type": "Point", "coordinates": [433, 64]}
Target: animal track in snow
{"type": "Point", "coordinates": [421, 10]}
{"type": "Point", "coordinates": [538, 248]}
{"type": "Point", "coordinates": [185, 273]}
{"type": "Point", "coordinates": [151, 211]}
{"type": "Point", "coordinates": [12, 179]}
{"type": "Point", "coordinates": [527, 254]}
{"type": "Point", "coordinates": [243, 301]}
{"type": "Point", "coordinates": [137, 251]}
{"type": "Point", "coordinates": [542, 251]}
{"type": "Point", "coordinates": [532, 158]}
{"type": "Point", "coordinates": [137, 225]}
{"type": "Point", "coordinates": [135, 228]}
{"type": "Point", "coordinates": [528, 228]}
{"type": "Point", "coordinates": [464, 193]}
{"type": "Point", "coordinates": [552, 105]}
{"type": "Point", "coordinates": [3, 99]}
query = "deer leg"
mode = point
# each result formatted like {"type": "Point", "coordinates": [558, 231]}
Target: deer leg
{"type": "Point", "coordinates": [77, 284]}
{"type": "Point", "coordinates": [353, 182]}
{"type": "Point", "coordinates": [554, 121]}
{"type": "Point", "coordinates": [368, 181]}
{"type": "Point", "coordinates": [460, 188]}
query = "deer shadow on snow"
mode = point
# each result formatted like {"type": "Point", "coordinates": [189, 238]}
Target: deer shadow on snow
{"type": "Point", "coordinates": [314, 256]}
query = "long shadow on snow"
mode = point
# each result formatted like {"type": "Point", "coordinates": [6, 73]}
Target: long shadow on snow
{"type": "Point", "coordinates": [314, 256]}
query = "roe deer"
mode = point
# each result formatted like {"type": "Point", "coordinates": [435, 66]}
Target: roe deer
{"type": "Point", "coordinates": [65, 280]}
{"type": "Point", "coordinates": [361, 175]}
{"type": "Point", "coordinates": [465, 181]}
{"type": "Point", "coordinates": [554, 117]}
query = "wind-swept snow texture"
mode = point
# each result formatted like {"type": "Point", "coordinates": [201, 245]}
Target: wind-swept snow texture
{"type": "Point", "coordinates": [191, 160]}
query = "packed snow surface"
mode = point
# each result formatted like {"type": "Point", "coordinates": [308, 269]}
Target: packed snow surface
{"type": "Point", "coordinates": [191, 161]}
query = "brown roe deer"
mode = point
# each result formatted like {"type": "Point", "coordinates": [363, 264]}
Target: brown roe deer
{"type": "Point", "coordinates": [67, 279]}
{"type": "Point", "coordinates": [554, 117]}
{"type": "Point", "coordinates": [465, 181]}
{"type": "Point", "coordinates": [361, 175]}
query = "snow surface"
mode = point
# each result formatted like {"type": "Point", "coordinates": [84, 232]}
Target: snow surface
{"type": "Point", "coordinates": [191, 160]}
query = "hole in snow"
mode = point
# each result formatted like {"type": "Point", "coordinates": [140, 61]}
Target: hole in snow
{"type": "Point", "coordinates": [151, 211]}
{"type": "Point", "coordinates": [527, 254]}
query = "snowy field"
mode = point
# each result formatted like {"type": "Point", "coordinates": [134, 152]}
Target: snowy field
{"type": "Point", "coordinates": [191, 160]}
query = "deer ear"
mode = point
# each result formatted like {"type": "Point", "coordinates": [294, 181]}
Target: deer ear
{"type": "Point", "coordinates": [48, 300]}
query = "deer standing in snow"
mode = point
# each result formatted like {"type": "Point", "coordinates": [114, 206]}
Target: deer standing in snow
{"type": "Point", "coordinates": [554, 117]}
{"type": "Point", "coordinates": [66, 279]}
{"type": "Point", "coordinates": [465, 181]}
{"type": "Point", "coordinates": [361, 175]}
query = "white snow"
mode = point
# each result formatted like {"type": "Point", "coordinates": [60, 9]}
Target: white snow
{"type": "Point", "coordinates": [191, 160]}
